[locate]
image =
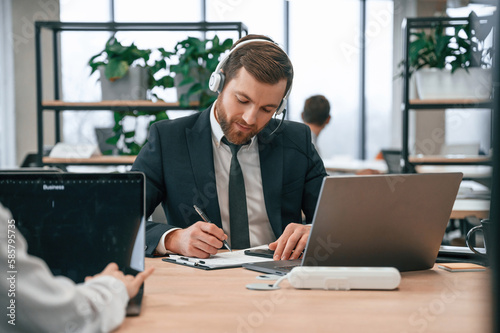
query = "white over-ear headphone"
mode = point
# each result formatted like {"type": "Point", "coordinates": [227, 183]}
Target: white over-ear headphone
{"type": "Point", "coordinates": [217, 78]}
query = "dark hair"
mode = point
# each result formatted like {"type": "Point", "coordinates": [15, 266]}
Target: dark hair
{"type": "Point", "coordinates": [316, 110]}
{"type": "Point", "coordinates": [266, 62]}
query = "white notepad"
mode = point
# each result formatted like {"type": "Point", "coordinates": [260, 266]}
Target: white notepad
{"type": "Point", "coordinates": [66, 150]}
{"type": "Point", "coordinates": [218, 261]}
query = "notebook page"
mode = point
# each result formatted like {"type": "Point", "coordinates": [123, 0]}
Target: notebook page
{"type": "Point", "coordinates": [225, 259]}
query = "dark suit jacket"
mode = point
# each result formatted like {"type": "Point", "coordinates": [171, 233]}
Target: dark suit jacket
{"type": "Point", "coordinates": [178, 163]}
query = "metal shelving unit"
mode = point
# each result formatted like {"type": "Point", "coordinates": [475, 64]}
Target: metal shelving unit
{"type": "Point", "coordinates": [57, 106]}
{"type": "Point", "coordinates": [417, 105]}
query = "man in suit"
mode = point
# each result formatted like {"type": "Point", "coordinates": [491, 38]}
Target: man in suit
{"type": "Point", "coordinates": [189, 161]}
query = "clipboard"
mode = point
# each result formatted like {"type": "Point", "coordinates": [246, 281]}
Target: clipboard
{"type": "Point", "coordinates": [219, 261]}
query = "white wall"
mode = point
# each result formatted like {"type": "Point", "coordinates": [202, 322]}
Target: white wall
{"type": "Point", "coordinates": [24, 14]}
{"type": "Point", "coordinates": [7, 116]}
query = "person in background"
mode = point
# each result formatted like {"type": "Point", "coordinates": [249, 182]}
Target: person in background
{"type": "Point", "coordinates": [316, 115]}
{"type": "Point", "coordinates": [37, 301]}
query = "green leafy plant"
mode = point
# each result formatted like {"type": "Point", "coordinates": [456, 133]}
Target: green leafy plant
{"type": "Point", "coordinates": [437, 48]}
{"type": "Point", "coordinates": [126, 141]}
{"type": "Point", "coordinates": [197, 60]}
{"type": "Point", "coordinates": [117, 59]}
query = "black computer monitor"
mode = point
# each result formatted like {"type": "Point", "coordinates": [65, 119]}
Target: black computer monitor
{"type": "Point", "coordinates": [78, 223]}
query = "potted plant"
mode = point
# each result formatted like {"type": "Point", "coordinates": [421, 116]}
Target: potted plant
{"type": "Point", "coordinates": [197, 61]}
{"type": "Point", "coordinates": [119, 80]}
{"type": "Point", "coordinates": [451, 63]}
{"type": "Point", "coordinates": [126, 141]}
{"type": "Point", "coordinates": [127, 73]}
{"type": "Point", "coordinates": [117, 63]}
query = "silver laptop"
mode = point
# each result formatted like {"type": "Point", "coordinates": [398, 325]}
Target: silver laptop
{"type": "Point", "coordinates": [78, 223]}
{"type": "Point", "coordinates": [380, 220]}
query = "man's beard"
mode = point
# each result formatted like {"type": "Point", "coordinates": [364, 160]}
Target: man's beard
{"type": "Point", "coordinates": [228, 128]}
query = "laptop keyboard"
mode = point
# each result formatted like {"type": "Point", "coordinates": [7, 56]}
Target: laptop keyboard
{"type": "Point", "coordinates": [286, 268]}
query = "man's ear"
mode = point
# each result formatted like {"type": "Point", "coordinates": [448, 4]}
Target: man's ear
{"type": "Point", "coordinates": [328, 120]}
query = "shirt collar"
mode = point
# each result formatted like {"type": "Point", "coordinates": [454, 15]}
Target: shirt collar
{"type": "Point", "coordinates": [217, 132]}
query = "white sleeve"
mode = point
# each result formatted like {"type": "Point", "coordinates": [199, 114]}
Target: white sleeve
{"type": "Point", "coordinates": [44, 303]}
{"type": "Point", "coordinates": [160, 248]}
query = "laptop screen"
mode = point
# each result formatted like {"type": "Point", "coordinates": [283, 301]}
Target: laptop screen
{"type": "Point", "coordinates": [78, 223]}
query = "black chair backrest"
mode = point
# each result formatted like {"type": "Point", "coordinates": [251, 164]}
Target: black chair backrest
{"type": "Point", "coordinates": [392, 158]}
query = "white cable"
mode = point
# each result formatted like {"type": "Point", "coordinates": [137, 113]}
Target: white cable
{"type": "Point", "coordinates": [276, 284]}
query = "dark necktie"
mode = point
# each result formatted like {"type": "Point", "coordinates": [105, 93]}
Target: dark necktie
{"type": "Point", "coordinates": [238, 216]}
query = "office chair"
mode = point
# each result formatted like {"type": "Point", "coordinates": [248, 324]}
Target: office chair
{"type": "Point", "coordinates": [392, 158]}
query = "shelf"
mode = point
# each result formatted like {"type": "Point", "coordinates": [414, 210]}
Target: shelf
{"type": "Point", "coordinates": [116, 105]}
{"type": "Point", "coordinates": [448, 103]}
{"type": "Point", "coordinates": [142, 26]}
{"type": "Point", "coordinates": [469, 171]}
{"type": "Point", "coordinates": [463, 208]}
{"type": "Point", "coordinates": [55, 30]}
{"type": "Point", "coordinates": [411, 163]}
{"type": "Point", "coordinates": [450, 159]}
{"type": "Point", "coordinates": [96, 160]}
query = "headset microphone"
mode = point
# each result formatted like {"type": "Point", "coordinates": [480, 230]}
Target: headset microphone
{"type": "Point", "coordinates": [281, 121]}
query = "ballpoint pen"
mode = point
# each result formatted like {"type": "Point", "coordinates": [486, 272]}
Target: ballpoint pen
{"type": "Point", "coordinates": [206, 219]}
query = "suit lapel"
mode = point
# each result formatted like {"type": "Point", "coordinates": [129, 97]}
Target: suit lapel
{"type": "Point", "coordinates": [199, 143]}
{"type": "Point", "coordinates": [271, 168]}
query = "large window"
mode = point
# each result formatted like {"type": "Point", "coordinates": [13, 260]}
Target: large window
{"type": "Point", "coordinates": [78, 47]}
{"type": "Point", "coordinates": [379, 75]}
{"type": "Point", "coordinates": [323, 42]}
{"type": "Point", "coordinates": [268, 21]}
{"type": "Point", "coordinates": [76, 50]}
{"type": "Point", "coordinates": [324, 47]}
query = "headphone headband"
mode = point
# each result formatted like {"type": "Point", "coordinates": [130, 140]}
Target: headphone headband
{"type": "Point", "coordinates": [217, 78]}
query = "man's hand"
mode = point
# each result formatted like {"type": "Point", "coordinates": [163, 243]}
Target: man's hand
{"type": "Point", "coordinates": [132, 283]}
{"type": "Point", "coordinates": [199, 240]}
{"type": "Point", "coordinates": [293, 238]}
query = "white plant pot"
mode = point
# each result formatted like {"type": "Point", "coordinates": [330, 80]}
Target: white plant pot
{"type": "Point", "coordinates": [178, 78]}
{"type": "Point", "coordinates": [133, 86]}
{"type": "Point", "coordinates": [433, 83]}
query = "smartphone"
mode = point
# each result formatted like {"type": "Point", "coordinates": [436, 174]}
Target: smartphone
{"type": "Point", "coordinates": [266, 253]}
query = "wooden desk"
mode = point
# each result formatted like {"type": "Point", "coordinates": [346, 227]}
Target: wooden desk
{"type": "Point", "coordinates": [184, 299]}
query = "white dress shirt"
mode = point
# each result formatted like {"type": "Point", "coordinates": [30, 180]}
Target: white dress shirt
{"type": "Point", "coordinates": [258, 222]}
{"type": "Point", "coordinates": [44, 303]}
{"type": "Point", "coordinates": [314, 139]}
